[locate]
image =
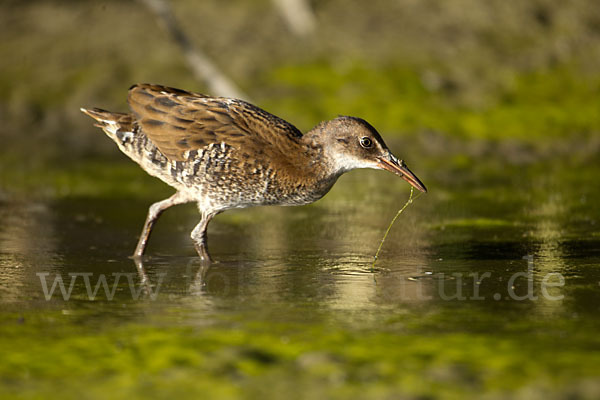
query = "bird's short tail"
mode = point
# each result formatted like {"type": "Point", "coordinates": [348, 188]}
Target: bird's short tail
{"type": "Point", "coordinates": [118, 126]}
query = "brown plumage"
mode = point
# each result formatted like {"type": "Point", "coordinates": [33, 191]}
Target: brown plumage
{"type": "Point", "coordinates": [226, 153]}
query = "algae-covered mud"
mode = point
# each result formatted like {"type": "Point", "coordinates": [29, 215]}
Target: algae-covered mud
{"type": "Point", "coordinates": [486, 287]}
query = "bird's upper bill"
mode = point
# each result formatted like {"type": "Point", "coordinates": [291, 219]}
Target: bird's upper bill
{"type": "Point", "coordinates": [392, 164]}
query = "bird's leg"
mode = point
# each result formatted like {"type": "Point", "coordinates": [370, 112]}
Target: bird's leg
{"type": "Point", "coordinates": [199, 236]}
{"type": "Point", "coordinates": [139, 264]}
{"type": "Point", "coordinates": [153, 213]}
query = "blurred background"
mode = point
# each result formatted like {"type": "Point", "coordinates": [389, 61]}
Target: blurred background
{"type": "Point", "coordinates": [494, 105]}
{"type": "Point", "coordinates": [475, 70]}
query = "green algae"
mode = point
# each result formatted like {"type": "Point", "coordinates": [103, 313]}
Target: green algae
{"type": "Point", "coordinates": [257, 358]}
{"type": "Point", "coordinates": [408, 202]}
{"type": "Point", "coordinates": [552, 103]}
{"type": "Point", "coordinates": [476, 223]}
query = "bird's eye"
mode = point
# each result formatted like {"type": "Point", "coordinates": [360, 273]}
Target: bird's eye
{"type": "Point", "coordinates": [365, 142]}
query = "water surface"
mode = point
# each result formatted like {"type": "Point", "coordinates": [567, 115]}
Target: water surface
{"type": "Point", "coordinates": [487, 285]}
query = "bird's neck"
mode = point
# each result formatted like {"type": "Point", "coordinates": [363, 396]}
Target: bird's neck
{"type": "Point", "coordinates": [314, 166]}
{"type": "Point", "coordinates": [317, 157]}
{"type": "Point", "coordinates": [331, 163]}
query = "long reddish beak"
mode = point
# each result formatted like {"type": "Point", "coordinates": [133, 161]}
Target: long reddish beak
{"type": "Point", "coordinates": [392, 164]}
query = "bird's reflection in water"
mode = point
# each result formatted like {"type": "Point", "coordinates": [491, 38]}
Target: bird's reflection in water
{"type": "Point", "coordinates": [195, 277]}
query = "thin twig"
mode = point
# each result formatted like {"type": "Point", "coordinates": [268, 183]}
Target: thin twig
{"type": "Point", "coordinates": [298, 15]}
{"type": "Point", "coordinates": [203, 68]}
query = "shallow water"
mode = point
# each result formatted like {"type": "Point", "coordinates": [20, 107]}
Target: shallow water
{"type": "Point", "coordinates": [487, 284]}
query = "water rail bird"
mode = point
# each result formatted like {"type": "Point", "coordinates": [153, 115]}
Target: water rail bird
{"type": "Point", "coordinates": [226, 153]}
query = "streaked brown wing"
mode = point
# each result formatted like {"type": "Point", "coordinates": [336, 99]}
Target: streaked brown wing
{"type": "Point", "coordinates": [177, 121]}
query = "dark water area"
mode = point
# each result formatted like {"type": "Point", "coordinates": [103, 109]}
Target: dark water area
{"type": "Point", "coordinates": [490, 283]}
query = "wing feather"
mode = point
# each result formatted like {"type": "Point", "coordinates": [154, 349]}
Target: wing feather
{"type": "Point", "coordinates": [177, 121]}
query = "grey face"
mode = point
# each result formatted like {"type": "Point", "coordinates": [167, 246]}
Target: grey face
{"type": "Point", "coordinates": [354, 143]}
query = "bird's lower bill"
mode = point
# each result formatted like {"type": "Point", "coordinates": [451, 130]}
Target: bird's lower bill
{"type": "Point", "coordinates": [403, 172]}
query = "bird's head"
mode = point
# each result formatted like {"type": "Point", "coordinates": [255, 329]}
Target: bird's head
{"type": "Point", "coordinates": [350, 143]}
